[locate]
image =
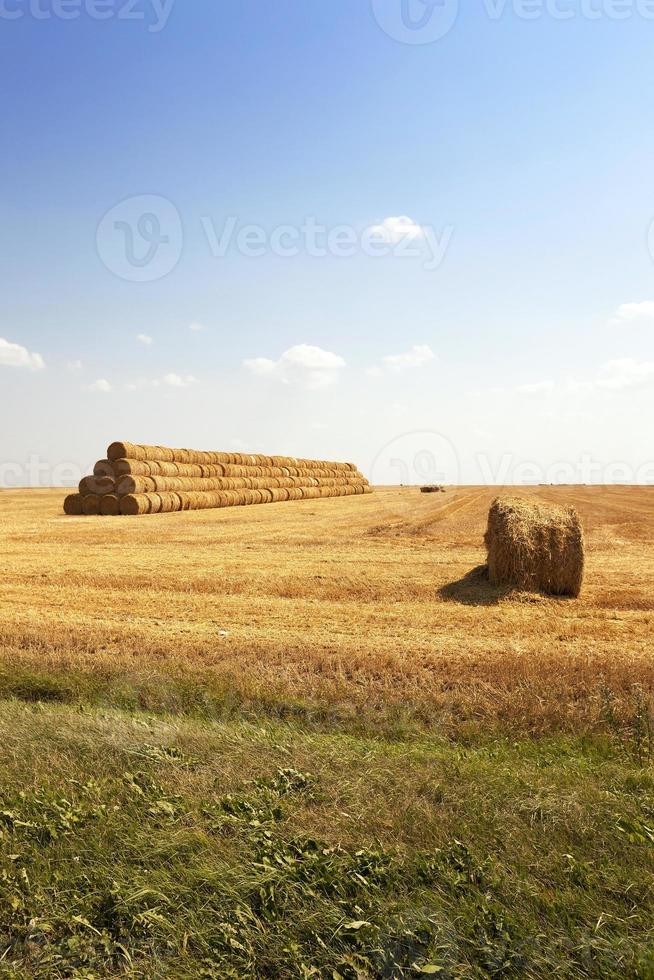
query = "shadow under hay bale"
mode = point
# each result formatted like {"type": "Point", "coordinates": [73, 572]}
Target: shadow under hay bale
{"type": "Point", "coordinates": [474, 589]}
{"type": "Point", "coordinates": [535, 546]}
{"type": "Point", "coordinates": [433, 488]}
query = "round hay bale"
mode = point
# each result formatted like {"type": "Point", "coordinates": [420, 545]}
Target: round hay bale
{"type": "Point", "coordinates": [96, 485]}
{"type": "Point", "coordinates": [169, 503]}
{"type": "Point", "coordinates": [155, 503]}
{"type": "Point", "coordinates": [131, 467]}
{"type": "Point", "coordinates": [124, 450]}
{"type": "Point", "coordinates": [184, 500]}
{"type": "Point", "coordinates": [136, 484]}
{"type": "Point", "coordinates": [134, 504]}
{"type": "Point", "coordinates": [110, 505]}
{"type": "Point", "coordinates": [73, 505]}
{"type": "Point", "coordinates": [91, 504]}
{"type": "Point", "coordinates": [535, 546]}
{"type": "Point", "coordinates": [104, 468]}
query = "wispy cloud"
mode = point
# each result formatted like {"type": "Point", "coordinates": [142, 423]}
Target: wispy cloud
{"type": "Point", "coordinates": [304, 364]}
{"type": "Point", "coordinates": [625, 372]}
{"type": "Point", "coordinates": [196, 327]}
{"type": "Point", "coordinates": [74, 366]}
{"type": "Point", "coordinates": [13, 355]}
{"type": "Point", "coordinates": [101, 385]}
{"type": "Point", "coordinates": [170, 380]}
{"type": "Point", "coordinates": [145, 339]}
{"type": "Point", "coordinates": [415, 357]}
{"type": "Point", "coordinates": [536, 388]}
{"type": "Point", "coordinates": [616, 375]}
{"type": "Point", "coordinates": [634, 313]}
{"type": "Point", "coordinates": [179, 381]}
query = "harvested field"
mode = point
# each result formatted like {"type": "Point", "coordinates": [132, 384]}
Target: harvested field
{"type": "Point", "coordinates": [369, 603]}
{"type": "Point", "coordinates": [316, 741]}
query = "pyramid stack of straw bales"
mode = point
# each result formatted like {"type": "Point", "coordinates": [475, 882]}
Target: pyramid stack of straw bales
{"type": "Point", "coordinates": [136, 479]}
{"type": "Point", "coordinates": [535, 546]}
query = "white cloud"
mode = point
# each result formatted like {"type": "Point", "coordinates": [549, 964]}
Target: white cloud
{"type": "Point", "coordinates": [633, 312]}
{"type": "Point", "coordinates": [13, 355]}
{"type": "Point", "coordinates": [172, 380]}
{"type": "Point", "coordinates": [179, 381]}
{"type": "Point", "coordinates": [303, 364]}
{"type": "Point", "coordinates": [536, 388]}
{"type": "Point", "coordinates": [143, 338]}
{"type": "Point", "coordinates": [196, 327]}
{"type": "Point", "coordinates": [74, 366]}
{"type": "Point", "coordinates": [101, 385]}
{"type": "Point", "coordinates": [393, 230]}
{"type": "Point", "coordinates": [623, 373]}
{"type": "Point", "coordinates": [416, 356]}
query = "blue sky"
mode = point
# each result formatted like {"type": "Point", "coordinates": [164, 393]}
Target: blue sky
{"type": "Point", "coordinates": [522, 148]}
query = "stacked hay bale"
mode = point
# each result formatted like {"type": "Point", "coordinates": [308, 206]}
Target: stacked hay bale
{"type": "Point", "coordinates": [137, 479]}
{"type": "Point", "coordinates": [535, 546]}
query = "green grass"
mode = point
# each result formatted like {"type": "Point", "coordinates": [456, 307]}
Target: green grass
{"type": "Point", "coordinates": [152, 845]}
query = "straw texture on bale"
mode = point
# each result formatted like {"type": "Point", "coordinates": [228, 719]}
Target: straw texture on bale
{"type": "Point", "coordinates": [73, 505]}
{"type": "Point", "coordinates": [97, 485]}
{"type": "Point", "coordinates": [138, 479]}
{"type": "Point", "coordinates": [156, 484]}
{"type": "Point", "coordinates": [135, 467]}
{"type": "Point", "coordinates": [535, 546]}
{"type": "Point", "coordinates": [130, 450]}
{"type": "Point", "coordinates": [91, 504]}
{"type": "Point", "coordinates": [103, 468]}
{"type": "Point", "coordinates": [110, 505]}
{"type": "Point", "coordinates": [135, 504]}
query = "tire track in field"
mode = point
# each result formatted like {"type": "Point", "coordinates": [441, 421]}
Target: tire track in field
{"type": "Point", "coordinates": [463, 502]}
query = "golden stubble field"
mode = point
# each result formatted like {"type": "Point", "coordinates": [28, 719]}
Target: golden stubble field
{"type": "Point", "coordinates": [363, 604]}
